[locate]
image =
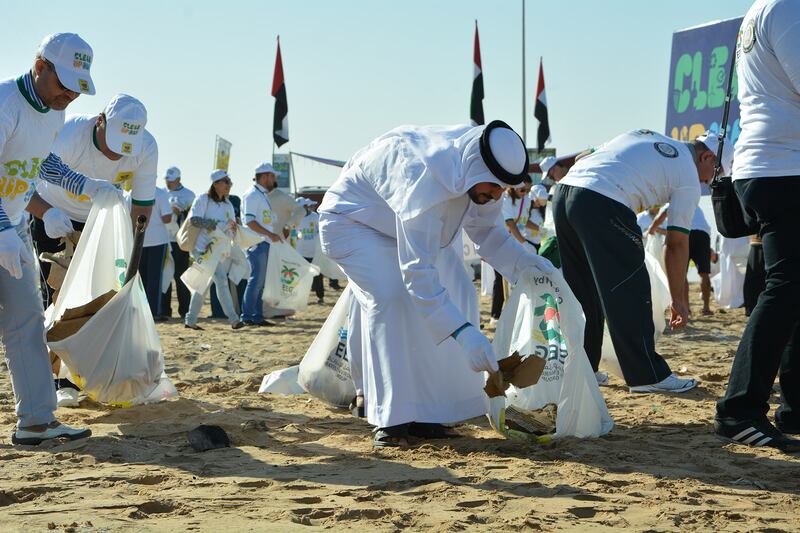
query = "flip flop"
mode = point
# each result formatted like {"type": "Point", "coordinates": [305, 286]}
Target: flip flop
{"type": "Point", "coordinates": [428, 430]}
{"type": "Point", "coordinates": [383, 436]}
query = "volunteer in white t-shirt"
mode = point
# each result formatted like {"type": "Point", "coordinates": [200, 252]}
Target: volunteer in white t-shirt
{"type": "Point", "coordinates": [308, 240]}
{"type": "Point", "coordinates": [699, 251]}
{"type": "Point", "coordinates": [516, 210]}
{"type": "Point", "coordinates": [112, 146]}
{"type": "Point", "coordinates": [257, 214]}
{"type": "Point", "coordinates": [154, 251]}
{"type": "Point", "coordinates": [180, 200]}
{"type": "Point", "coordinates": [601, 248]}
{"type": "Point", "coordinates": [766, 177]}
{"type": "Point", "coordinates": [31, 115]}
{"type": "Point", "coordinates": [213, 211]}
{"type": "Point", "coordinates": [539, 197]}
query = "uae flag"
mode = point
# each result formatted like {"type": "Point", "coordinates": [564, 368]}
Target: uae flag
{"type": "Point", "coordinates": [540, 111]}
{"type": "Point", "coordinates": [476, 102]}
{"type": "Point", "coordinates": [280, 120]}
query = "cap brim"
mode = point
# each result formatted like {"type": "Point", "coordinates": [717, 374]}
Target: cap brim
{"type": "Point", "coordinates": [74, 81]}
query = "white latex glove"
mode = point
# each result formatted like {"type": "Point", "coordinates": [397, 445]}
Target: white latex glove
{"type": "Point", "coordinates": [536, 262]}
{"type": "Point", "coordinates": [11, 251]}
{"type": "Point", "coordinates": [478, 349]}
{"type": "Point", "coordinates": [93, 186]}
{"type": "Point", "coordinates": [56, 223]}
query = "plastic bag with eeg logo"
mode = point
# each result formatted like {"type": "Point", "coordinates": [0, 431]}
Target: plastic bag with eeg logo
{"type": "Point", "coordinates": [542, 318]}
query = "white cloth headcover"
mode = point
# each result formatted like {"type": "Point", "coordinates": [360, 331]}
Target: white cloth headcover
{"type": "Point", "coordinates": [414, 168]}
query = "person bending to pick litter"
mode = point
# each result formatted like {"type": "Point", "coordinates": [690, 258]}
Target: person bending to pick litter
{"type": "Point", "coordinates": [113, 146]}
{"type": "Point", "coordinates": [397, 204]}
{"type": "Point", "coordinates": [602, 254]}
{"type": "Point", "coordinates": [31, 114]}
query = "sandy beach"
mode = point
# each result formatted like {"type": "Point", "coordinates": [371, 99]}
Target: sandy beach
{"type": "Point", "coordinates": [297, 464]}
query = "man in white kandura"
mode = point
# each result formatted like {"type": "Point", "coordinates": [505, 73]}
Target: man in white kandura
{"type": "Point", "coordinates": [113, 146]}
{"type": "Point", "coordinates": [397, 204]}
{"type": "Point", "coordinates": [601, 248]}
{"type": "Point", "coordinates": [31, 115]}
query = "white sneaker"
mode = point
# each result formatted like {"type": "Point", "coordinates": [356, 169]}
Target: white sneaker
{"type": "Point", "coordinates": [493, 321]}
{"type": "Point", "coordinates": [671, 383]}
{"type": "Point", "coordinates": [67, 397]}
{"type": "Point", "coordinates": [602, 378]}
{"type": "Point", "coordinates": [55, 430]}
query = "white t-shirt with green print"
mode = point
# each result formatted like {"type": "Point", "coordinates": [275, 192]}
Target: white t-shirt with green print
{"type": "Point", "coordinates": [26, 137]}
{"type": "Point", "coordinates": [256, 207]}
{"type": "Point", "coordinates": [76, 145]}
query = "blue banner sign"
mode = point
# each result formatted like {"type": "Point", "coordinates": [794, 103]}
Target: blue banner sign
{"type": "Point", "coordinates": [698, 79]}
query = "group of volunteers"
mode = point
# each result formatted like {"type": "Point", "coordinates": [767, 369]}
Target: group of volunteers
{"type": "Point", "coordinates": [401, 202]}
{"type": "Point", "coordinates": [393, 223]}
{"type": "Point", "coordinates": [52, 169]}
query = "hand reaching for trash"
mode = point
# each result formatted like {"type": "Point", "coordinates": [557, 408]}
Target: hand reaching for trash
{"type": "Point", "coordinates": [680, 315]}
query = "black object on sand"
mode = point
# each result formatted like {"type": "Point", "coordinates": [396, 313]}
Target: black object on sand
{"type": "Point", "coordinates": [204, 438]}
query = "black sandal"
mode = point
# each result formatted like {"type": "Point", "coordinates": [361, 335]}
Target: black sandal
{"type": "Point", "coordinates": [358, 410]}
{"type": "Point", "coordinates": [429, 430]}
{"type": "Point", "coordinates": [384, 437]}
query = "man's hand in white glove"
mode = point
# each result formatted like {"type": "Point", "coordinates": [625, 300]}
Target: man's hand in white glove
{"type": "Point", "coordinates": [56, 223]}
{"type": "Point", "coordinates": [11, 251]}
{"type": "Point", "coordinates": [92, 186]}
{"type": "Point", "coordinates": [478, 349]}
{"type": "Point", "coordinates": [532, 261]}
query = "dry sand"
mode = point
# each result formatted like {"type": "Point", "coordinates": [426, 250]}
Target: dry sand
{"type": "Point", "coordinates": [297, 464]}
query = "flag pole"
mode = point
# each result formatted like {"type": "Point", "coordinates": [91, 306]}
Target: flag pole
{"type": "Point", "coordinates": [524, 128]}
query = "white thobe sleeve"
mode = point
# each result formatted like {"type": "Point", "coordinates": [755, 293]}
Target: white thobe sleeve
{"type": "Point", "coordinates": [494, 243]}
{"type": "Point", "coordinates": [418, 245]}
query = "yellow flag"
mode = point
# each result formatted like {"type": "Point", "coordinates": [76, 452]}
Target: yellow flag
{"type": "Point", "coordinates": [222, 153]}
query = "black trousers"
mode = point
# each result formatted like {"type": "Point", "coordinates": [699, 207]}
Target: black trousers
{"type": "Point", "coordinates": [316, 284]}
{"type": "Point", "coordinates": [43, 243]}
{"type": "Point", "coordinates": [602, 257]}
{"type": "Point", "coordinates": [181, 260]}
{"type": "Point", "coordinates": [498, 296]}
{"type": "Point", "coordinates": [755, 277]}
{"type": "Point", "coordinates": [151, 268]}
{"type": "Point", "coordinates": [771, 339]}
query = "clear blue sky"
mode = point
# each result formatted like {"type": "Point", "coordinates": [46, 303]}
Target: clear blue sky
{"type": "Point", "coordinates": [357, 68]}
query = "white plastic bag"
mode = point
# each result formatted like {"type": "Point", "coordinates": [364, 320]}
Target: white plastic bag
{"type": "Point", "coordinates": [659, 296]}
{"type": "Point", "coordinates": [197, 277]}
{"type": "Point", "coordinates": [325, 369]}
{"type": "Point", "coordinates": [288, 278]}
{"type": "Point", "coordinates": [543, 318]}
{"type": "Point", "coordinates": [281, 382]}
{"type": "Point", "coordinates": [115, 357]}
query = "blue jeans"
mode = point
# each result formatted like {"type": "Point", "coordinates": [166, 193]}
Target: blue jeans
{"type": "Point", "coordinates": [252, 306]}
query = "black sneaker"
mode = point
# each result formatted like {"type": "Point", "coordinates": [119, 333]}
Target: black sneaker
{"type": "Point", "coordinates": [237, 325]}
{"type": "Point", "coordinates": [753, 433]}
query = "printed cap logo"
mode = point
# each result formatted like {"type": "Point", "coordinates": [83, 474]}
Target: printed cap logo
{"type": "Point", "coordinates": [84, 85]}
{"type": "Point", "coordinates": [127, 148]}
{"type": "Point", "coordinates": [130, 129]}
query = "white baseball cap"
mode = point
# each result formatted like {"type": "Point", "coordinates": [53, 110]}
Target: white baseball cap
{"type": "Point", "coordinates": [265, 167]}
{"type": "Point", "coordinates": [72, 58]}
{"type": "Point", "coordinates": [217, 175]}
{"type": "Point", "coordinates": [172, 174]}
{"type": "Point", "coordinates": [547, 163]}
{"type": "Point", "coordinates": [125, 121]}
{"type": "Point", "coordinates": [305, 202]}
{"type": "Point", "coordinates": [711, 140]}
{"type": "Point", "coordinates": [538, 192]}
